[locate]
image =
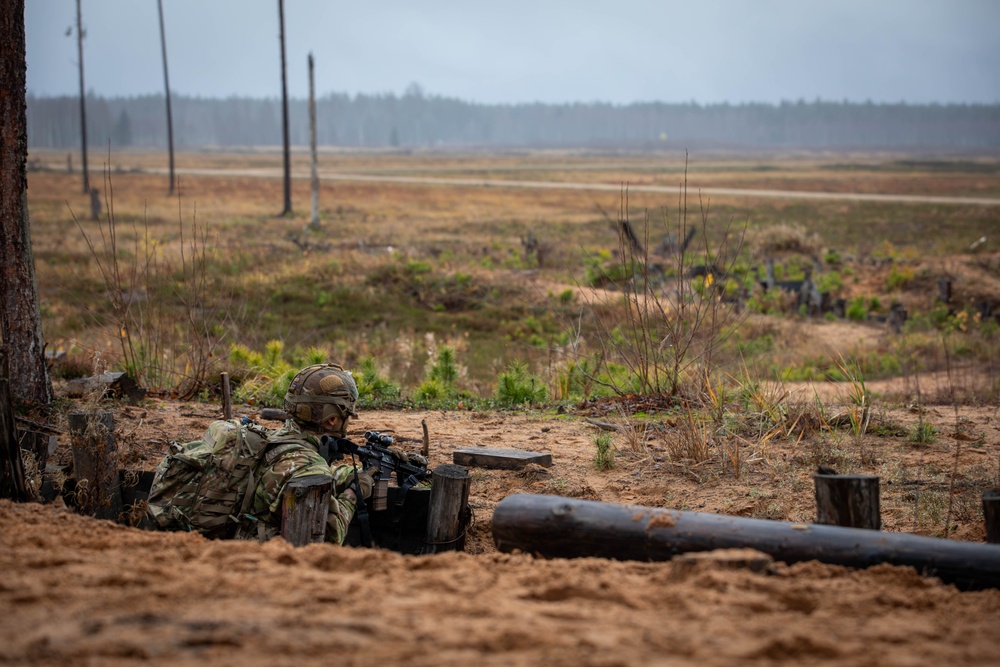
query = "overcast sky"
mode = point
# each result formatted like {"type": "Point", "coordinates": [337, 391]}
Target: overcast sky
{"type": "Point", "coordinates": [512, 51]}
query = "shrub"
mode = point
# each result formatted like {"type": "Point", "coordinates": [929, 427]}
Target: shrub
{"type": "Point", "coordinates": [898, 277]}
{"type": "Point", "coordinates": [439, 384]}
{"type": "Point", "coordinates": [857, 309]}
{"type": "Point", "coordinates": [516, 386]}
{"type": "Point", "coordinates": [605, 456]}
{"type": "Point", "coordinates": [374, 389]}
{"type": "Point", "coordinates": [923, 433]}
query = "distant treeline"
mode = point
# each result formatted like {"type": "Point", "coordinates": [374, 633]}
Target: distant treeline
{"type": "Point", "coordinates": [415, 120]}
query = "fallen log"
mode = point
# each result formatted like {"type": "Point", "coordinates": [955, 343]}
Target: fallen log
{"type": "Point", "coordinates": [107, 385]}
{"type": "Point", "coordinates": [557, 527]}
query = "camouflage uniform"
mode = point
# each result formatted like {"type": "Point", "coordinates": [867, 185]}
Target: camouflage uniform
{"type": "Point", "coordinates": [296, 463]}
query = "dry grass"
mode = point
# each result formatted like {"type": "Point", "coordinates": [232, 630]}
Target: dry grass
{"type": "Point", "coordinates": [314, 289]}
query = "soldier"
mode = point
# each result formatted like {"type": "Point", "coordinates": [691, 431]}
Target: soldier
{"type": "Point", "coordinates": [320, 401]}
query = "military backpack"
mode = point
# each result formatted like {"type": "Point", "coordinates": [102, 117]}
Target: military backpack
{"type": "Point", "coordinates": [207, 485]}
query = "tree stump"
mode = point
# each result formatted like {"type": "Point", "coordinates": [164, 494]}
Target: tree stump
{"type": "Point", "coordinates": [107, 385]}
{"type": "Point", "coordinates": [848, 500]}
{"type": "Point", "coordinates": [304, 509]}
{"type": "Point", "coordinates": [991, 514]}
{"type": "Point", "coordinates": [447, 513]}
{"type": "Point", "coordinates": [95, 464]}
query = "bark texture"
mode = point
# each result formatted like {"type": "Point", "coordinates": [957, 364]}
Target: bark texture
{"type": "Point", "coordinates": [19, 313]}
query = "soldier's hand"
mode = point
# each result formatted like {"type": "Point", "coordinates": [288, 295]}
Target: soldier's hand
{"type": "Point", "coordinates": [411, 458]}
{"type": "Point", "coordinates": [365, 484]}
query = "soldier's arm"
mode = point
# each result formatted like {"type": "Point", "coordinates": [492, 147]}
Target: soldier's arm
{"type": "Point", "coordinates": [339, 517]}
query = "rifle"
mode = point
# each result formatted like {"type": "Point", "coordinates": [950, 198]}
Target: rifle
{"type": "Point", "coordinates": [375, 453]}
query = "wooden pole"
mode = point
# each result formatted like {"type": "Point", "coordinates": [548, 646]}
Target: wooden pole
{"type": "Point", "coordinates": [557, 527]}
{"type": "Point", "coordinates": [848, 500]}
{"type": "Point", "coordinates": [95, 466]}
{"type": "Point", "coordinates": [448, 508]}
{"type": "Point", "coordinates": [227, 398]}
{"type": "Point", "coordinates": [425, 449]}
{"type": "Point", "coordinates": [304, 509]}
{"type": "Point", "coordinates": [991, 514]}
{"type": "Point", "coordinates": [166, 87]}
{"type": "Point", "coordinates": [313, 168]}
{"type": "Point", "coordinates": [287, 210]}
{"type": "Point", "coordinates": [83, 98]}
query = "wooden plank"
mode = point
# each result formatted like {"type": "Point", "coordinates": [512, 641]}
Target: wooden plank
{"type": "Point", "coordinates": [504, 459]}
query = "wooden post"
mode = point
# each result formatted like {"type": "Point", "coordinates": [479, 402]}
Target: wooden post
{"type": "Point", "coordinates": [304, 509]}
{"type": "Point", "coordinates": [991, 514]}
{"type": "Point", "coordinates": [944, 290]}
{"type": "Point", "coordinates": [95, 464]}
{"type": "Point", "coordinates": [848, 500]}
{"type": "Point", "coordinates": [557, 527]}
{"type": "Point", "coordinates": [227, 398]}
{"type": "Point", "coordinates": [446, 514]}
{"type": "Point", "coordinates": [425, 449]}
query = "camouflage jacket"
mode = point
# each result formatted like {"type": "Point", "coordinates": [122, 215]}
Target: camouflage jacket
{"type": "Point", "coordinates": [296, 463]}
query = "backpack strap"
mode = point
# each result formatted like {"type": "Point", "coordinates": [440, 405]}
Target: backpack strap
{"type": "Point", "coordinates": [271, 454]}
{"type": "Point", "coordinates": [278, 449]}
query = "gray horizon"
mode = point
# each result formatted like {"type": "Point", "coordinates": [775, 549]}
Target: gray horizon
{"type": "Point", "coordinates": [632, 51]}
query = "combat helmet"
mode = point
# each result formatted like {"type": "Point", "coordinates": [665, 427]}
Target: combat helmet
{"type": "Point", "coordinates": [321, 392]}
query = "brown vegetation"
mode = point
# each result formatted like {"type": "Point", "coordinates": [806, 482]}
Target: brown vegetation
{"type": "Point", "coordinates": [401, 270]}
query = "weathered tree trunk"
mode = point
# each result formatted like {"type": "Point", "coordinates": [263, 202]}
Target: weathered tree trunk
{"type": "Point", "coordinates": [20, 319]}
{"type": "Point", "coordinates": [314, 171]}
{"type": "Point", "coordinates": [446, 515]}
{"type": "Point", "coordinates": [848, 500]}
{"type": "Point", "coordinates": [83, 97]}
{"type": "Point", "coordinates": [166, 87]}
{"type": "Point", "coordinates": [12, 481]}
{"type": "Point", "coordinates": [557, 527]}
{"type": "Point", "coordinates": [284, 113]}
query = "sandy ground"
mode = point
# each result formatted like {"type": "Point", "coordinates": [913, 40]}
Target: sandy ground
{"type": "Point", "coordinates": [80, 591]}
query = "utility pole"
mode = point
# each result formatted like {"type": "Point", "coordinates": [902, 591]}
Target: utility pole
{"type": "Point", "coordinates": [166, 85]}
{"type": "Point", "coordinates": [83, 97]}
{"type": "Point", "coordinates": [284, 112]}
{"type": "Point", "coordinates": [314, 221]}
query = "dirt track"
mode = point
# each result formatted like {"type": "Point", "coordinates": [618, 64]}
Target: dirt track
{"type": "Point", "coordinates": [328, 175]}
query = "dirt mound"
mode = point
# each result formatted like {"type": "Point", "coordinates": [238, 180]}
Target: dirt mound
{"type": "Point", "coordinates": [82, 591]}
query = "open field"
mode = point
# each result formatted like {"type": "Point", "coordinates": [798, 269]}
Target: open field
{"type": "Point", "coordinates": [749, 399]}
